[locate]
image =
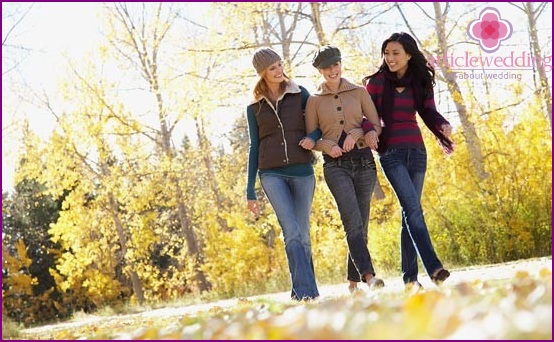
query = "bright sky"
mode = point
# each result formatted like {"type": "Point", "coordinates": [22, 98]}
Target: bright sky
{"type": "Point", "coordinates": [53, 30]}
{"type": "Point", "coordinates": [50, 30]}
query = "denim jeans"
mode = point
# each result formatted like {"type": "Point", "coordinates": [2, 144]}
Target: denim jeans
{"type": "Point", "coordinates": [291, 199]}
{"type": "Point", "coordinates": [405, 170]}
{"type": "Point", "coordinates": [351, 182]}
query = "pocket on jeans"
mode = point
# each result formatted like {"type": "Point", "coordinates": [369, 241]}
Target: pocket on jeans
{"type": "Point", "coordinates": [368, 164]}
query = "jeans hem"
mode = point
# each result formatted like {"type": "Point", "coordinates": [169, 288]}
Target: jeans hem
{"type": "Point", "coordinates": [372, 272]}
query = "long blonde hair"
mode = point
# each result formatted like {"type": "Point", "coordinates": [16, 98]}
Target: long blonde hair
{"type": "Point", "coordinates": [261, 89]}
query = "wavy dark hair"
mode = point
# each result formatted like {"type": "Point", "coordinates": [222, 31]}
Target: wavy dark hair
{"type": "Point", "coordinates": [422, 72]}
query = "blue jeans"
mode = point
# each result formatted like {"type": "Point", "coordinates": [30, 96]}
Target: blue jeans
{"type": "Point", "coordinates": [351, 182]}
{"type": "Point", "coordinates": [405, 170]}
{"type": "Point", "coordinates": [291, 199]}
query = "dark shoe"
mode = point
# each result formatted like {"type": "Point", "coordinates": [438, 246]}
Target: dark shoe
{"type": "Point", "coordinates": [440, 276]}
{"type": "Point", "coordinates": [304, 299]}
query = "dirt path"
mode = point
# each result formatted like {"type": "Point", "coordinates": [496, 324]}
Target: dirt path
{"type": "Point", "coordinates": [486, 272]}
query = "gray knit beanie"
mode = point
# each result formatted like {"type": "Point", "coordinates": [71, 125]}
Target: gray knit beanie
{"type": "Point", "coordinates": [264, 57]}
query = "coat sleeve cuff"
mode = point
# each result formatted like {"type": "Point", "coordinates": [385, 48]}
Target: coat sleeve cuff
{"type": "Point", "coordinates": [324, 146]}
{"type": "Point", "coordinates": [356, 133]}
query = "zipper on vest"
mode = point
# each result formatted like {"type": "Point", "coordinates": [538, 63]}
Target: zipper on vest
{"type": "Point", "coordinates": [275, 110]}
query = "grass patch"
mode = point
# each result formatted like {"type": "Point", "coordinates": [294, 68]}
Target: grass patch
{"type": "Point", "coordinates": [10, 329]}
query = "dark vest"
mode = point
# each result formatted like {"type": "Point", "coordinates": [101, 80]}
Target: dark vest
{"type": "Point", "coordinates": [281, 132]}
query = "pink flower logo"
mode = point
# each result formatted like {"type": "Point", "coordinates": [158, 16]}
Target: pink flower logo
{"type": "Point", "coordinates": [489, 29]}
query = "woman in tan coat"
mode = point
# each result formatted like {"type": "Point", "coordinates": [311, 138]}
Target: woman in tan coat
{"type": "Point", "coordinates": [337, 109]}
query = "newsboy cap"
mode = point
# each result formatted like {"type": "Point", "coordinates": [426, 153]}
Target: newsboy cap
{"type": "Point", "coordinates": [264, 57]}
{"type": "Point", "coordinates": [326, 56]}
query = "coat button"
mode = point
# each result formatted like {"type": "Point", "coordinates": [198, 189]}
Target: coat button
{"type": "Point", "coordinates": [339, 108]}
{"type": "Point", "coordinates": [336, 96]}
{"type": "Point", "coordinates": [342, 122]}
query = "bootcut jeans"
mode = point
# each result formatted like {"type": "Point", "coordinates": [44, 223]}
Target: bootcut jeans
{"type": "Point", "coordinates": [291, 199]}
{"type": "Point", "coordinates": [405, 170]}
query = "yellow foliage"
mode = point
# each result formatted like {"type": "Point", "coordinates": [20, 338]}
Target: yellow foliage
{"type": "Point", "coordinates": [18, 280]}
{"type": "Point", "coordinates": [18, 301]}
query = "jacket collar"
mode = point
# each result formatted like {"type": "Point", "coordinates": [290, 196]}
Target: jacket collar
{"type": "Point", "coordinates": [345, 85]}
{"type": "Point", "coordinates": [292, 88]}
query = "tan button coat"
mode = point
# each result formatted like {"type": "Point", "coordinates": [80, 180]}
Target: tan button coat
{"type": "Point", "coordinates": [344, 110]}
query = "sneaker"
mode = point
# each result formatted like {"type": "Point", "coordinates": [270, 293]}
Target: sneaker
{"type": "Point", "coordinates": [440, 276]}
{"type": "Point", "coordinates": [413, 287]}
{"type": "Point", "coordinates": [375, 283]}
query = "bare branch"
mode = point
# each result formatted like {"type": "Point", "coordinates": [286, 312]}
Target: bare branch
{"type": "Point", "coordinates": [407, 23]}
{"type": "Point", "coordinates": [539, 9]}
{"type": "Point", "coordinates": [458, 18]}
{"type": "Point", "coordinates": [446, 9]}
{"type": "Point", "coordinates": [12, 28]}
{"type": "Point", "coordinates": [515, 5]}
{"type": "Point", "coordinates": [501, 108]}
{"type": "Point", "coordinates": [106, 105]}
{"type": "Point", "coordinates": [352, 18]}
{"type": "Point", "coordinates": [424, 12]}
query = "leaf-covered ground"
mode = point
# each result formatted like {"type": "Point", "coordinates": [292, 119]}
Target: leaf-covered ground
{"type": "Point", "coordinates": [494, 304]}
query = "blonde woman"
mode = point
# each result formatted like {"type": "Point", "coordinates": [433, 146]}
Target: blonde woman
{"type": "Point", "coordinates": [276, 128]}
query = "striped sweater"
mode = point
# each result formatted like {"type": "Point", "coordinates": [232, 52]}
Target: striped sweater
{"type": "Point", "coordinates": [404, 132]}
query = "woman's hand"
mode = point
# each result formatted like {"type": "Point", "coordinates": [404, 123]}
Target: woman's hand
{"type": "Point", "coordinates": [254, 207]}
{"type": "Point", "coordinates": [307, 143]}
{"type": "Point", "coordinates": [371, 139]}
{"type": "Point", "coordinates": [446, 129]}
{"type": "Point", "coordinates": [348, 144]}
{"type": "Point", "coordinates": [335, 152]}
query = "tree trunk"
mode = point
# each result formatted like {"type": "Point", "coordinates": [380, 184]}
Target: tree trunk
{"type": "Point", "coordinates": [318, 26]}
{"type": "Point", "coordinates": [206, 148]}
{"type": "Point", "coordinates": [469, 132]}
{"type": "Point", "coordinates": [135, 280]}
{"type": "Point", "coordinates": [543, 88]}
{"type": "Point", "coordinates": [193, 245]}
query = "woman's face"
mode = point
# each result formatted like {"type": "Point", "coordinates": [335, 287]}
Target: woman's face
{"type": "Point", "coordinates": [274, 73]}
{"type": "Point", "coordinates": [332, 73]}
{"type": "Point", "coordinates": [396, 58]}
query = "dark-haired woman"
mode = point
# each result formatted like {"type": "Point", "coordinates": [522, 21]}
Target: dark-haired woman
{"type": "Point", "coordinates": [402, 86]}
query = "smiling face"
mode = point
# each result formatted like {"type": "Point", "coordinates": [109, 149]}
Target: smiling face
{"type": "Point", "coordinates": [396, 58]}
{"type": "Point", "coordinates": [274, 73]}
{"type": "Point", "coordinates": [332, 73]}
